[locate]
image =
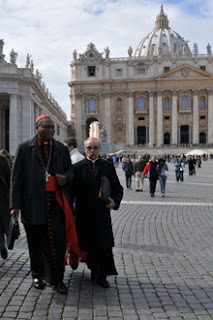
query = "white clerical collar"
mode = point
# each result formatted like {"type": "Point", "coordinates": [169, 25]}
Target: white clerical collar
{"type": "Point", "coordinates": [93, 161]}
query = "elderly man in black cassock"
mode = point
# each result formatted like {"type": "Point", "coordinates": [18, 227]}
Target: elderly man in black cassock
{"type": "Point", "coordinates": [40, 181]}
{"type": "Point", "coordinates": [93, 214]}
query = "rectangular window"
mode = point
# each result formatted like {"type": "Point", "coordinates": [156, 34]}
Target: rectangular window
{"type": "Point", "coordinates": [202, 117]}
{"type": "Point", "coordinates": [141, 103]}
{"type": "Point", "coordinates": [58, 130]}
{"type": "Point", "coordinates": [91, 71]}
{"type": "Point", "coordinates": [166, 69]}
{"type": "Point", "coordinates": [166, 117]}
{"type": "Point", "coordinates": [203, 68]}
{"type": "Point", "coordinates": [166, 105]}
{"type": "Point", "coordinates": [202, 104]}
{"type": "Point", "coordinates": [141, 118]}
{"type": "Point", "coordinates": [141, 71]}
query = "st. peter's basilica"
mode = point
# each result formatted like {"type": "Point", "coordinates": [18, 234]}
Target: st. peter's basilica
{"type": "Point", "coordinates": [160, 94]}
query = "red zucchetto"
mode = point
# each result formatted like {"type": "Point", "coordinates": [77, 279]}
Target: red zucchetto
{"type": "Point", "coordinates": [41, 117]}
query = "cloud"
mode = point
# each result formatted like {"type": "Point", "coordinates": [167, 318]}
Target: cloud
{"type": "Point", "coordinates": [50, 30]}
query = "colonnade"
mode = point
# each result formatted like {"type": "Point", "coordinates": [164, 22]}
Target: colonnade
{"type": "Point", "coordinates": [23, 111]}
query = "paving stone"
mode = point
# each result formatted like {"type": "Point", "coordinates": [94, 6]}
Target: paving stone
{"type": "Point", "coordinates": [163, 253]}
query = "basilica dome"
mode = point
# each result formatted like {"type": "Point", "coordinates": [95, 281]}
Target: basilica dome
{"type": "Point", "coordinates": [162, 40]}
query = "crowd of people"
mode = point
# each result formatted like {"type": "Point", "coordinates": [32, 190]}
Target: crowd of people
{"type": "Point", "coordinates": [156, 169]}
{"type": "Point", "coordinates": [65, 198]}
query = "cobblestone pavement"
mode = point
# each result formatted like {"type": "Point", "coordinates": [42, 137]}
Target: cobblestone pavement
{"type": "Point", "coordinates": [163, 254]}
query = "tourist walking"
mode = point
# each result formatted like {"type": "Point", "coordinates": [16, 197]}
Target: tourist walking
{"type": "Point", "coordinates": [40, 189]}
{"type": "Point", "coordinates": [75, 155]}
{"type": "Point", "coordinates": [162, 175]}
{"type": "Point", "coordinates": [182, 168]}
{"type": "Point", "coordinates": [93, 213]}
{"type": "Point", "coordinates": [191, 164]}
{"type": "Point", "coordinates": [177, 163]}
{"type": "Point", "coordinates": [150, 172]}
{"type": "Point", "coordinates": [128, 169]}
{"type": "Point", "coordinates": [4, 203]}
{"type": "Point", "coordinates": [138, 170]}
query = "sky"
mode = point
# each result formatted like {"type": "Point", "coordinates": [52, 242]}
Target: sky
{"type": "Point", "coordinates": [51, 30]}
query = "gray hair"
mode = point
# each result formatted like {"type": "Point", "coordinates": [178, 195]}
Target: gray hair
{"type": "Point", "coordinates": [91, 138]}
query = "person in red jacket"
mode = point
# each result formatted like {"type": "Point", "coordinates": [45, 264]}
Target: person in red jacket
{"type": "Point", "coordinates": [150, 172]}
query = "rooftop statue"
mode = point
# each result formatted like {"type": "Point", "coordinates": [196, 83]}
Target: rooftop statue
{"type": "Point", "coordinates": [13, 56]}
{"type": "Point", "coordinates": [130, 51]}
{"type": "Point", "coordinates": [107, 52]}
{"type": "Point", "coordinates": [27, 61]}
{"type": "Point", "coordinates": [209, 50]}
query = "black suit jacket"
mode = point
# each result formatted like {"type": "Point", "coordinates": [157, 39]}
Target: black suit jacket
{"type": "Point", "coordinates": [93, 218]}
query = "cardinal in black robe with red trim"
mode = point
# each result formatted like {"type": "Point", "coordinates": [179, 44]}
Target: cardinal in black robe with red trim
{"type": "Point", "coordinates": [40, 189]}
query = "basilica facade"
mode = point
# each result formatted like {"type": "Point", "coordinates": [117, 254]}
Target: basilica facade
{"type": "Point", "coordinates": [23, 97]}
{"type": "Point", "coordinates": [162, 94]}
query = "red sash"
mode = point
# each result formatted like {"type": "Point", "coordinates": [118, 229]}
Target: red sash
{"type": "Point", "coordinates": [73, 252]}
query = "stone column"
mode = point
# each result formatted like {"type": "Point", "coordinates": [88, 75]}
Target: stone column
{"type": "Point", "coordinates": [130, 115]}
{"type": "Point", "coordinates": [174, 117]}
{"type": "Point", "coordinates": [151, 119]}
{"type": "Point", "coordinates": [159, 119]}
{"type": "Point", "coordinates": [33, 119]}
{"type": "Point", "coordinates": [36, 115]}
{"type": "Point", "coordinates": [210, 117]}
{"type": "Point", "coordinates": [107, 116]}
{"type": "Point", "coordinates": [13, 124]}
{"type": "Point", "coordinates": [78, 120]}
{"type": "Point", "coordinates": [26, 118]}
{"type": "Point", "coordinates": [195, 130]}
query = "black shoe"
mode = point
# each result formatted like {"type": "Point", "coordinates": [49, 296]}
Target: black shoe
{"type": "Point", "coordinates": [103, 282]}
{"type": "Point", "coordinates": [152, 195]}
{"type": "Point", "coordinates": [61, 287]}
{"type": "Point", "coordinates": [141, 190]}
{"type": "Point", "coordinates": [137, 190]}
{"type": "Point", "coordinates": [38, 283]}
{"type": "Point", "coordinates": [4, 253]}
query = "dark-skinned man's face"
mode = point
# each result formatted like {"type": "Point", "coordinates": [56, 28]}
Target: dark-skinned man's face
{"type": "Point", "coordinates": [45, 129]}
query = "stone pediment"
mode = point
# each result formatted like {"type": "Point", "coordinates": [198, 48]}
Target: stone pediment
{"type": "Point", "coordinates": [185, 71]}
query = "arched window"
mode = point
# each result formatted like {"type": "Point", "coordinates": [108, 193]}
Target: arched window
{"type": "Point", "coordinates": [184, 102]}
{"type": "Point", "coordinates": [202, 103]}
{"type": "Point", "coordinates": [91, 105]}
{"type": "Point", "coordinates": [141, 103]}
{"type": "Point", "coordinates": [166, 104]}
{"type": "Point", "coordinates": [119, 105]}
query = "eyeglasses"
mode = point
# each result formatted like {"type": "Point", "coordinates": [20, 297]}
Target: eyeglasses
{"type": "Point", "coordinates": [94, 148]}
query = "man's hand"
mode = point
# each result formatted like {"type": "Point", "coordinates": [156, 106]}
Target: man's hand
{"type": "Point", "coordinates": [62, 179]}
{"type": "Point", "coordinates": [15, 213]}
{"type": "Point", "coordinates": [112, 204]}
